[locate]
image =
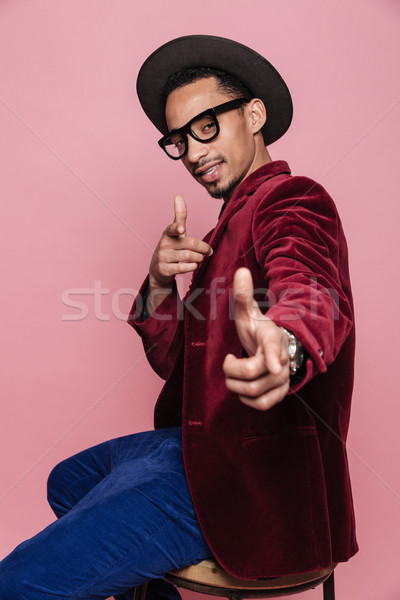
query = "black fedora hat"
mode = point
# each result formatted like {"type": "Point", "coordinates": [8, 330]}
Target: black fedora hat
{"type": "Point", "coordinates": [252, 69]}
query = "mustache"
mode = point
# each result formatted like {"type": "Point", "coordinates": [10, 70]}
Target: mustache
{"type": "Point", "coordinates": [205, 162]}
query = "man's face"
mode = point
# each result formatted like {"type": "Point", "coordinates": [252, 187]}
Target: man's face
{"type": "Point", "coordinates": [221, 164]}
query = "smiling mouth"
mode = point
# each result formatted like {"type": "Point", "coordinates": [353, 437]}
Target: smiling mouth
{"type": "Point", "coordinates": [207, 170]}
{"type": "Point", "coordinates": [210, 175]}
{"type": "Point", "coordinates": [210, 170]}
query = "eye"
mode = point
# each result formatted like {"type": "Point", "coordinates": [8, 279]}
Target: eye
{"type": "Point", "coordinates": [207, 126]}
{"type": "Point", "coordinates": [204, 127]}
{"type": "Point", "coordinates": [177, 140]}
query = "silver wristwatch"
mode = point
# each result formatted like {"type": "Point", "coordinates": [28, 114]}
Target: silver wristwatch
{"type": "Point", "coordinates": [296, 352]}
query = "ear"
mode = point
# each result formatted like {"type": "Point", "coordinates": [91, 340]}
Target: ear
{"type": "Point", "coordinates": [257, 114]}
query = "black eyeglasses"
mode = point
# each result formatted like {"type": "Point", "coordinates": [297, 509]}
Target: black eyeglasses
{"type": "Point", "coordinates": [203, 128]}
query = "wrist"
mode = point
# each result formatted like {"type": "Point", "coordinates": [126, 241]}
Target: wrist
{"type": "Point", "coordinates": [157, 292]}
{"type": "Point", "coordinates": [156, 285]}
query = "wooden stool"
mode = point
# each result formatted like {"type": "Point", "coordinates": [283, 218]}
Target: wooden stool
{"type": "Point", "coordinates": [208, 577]}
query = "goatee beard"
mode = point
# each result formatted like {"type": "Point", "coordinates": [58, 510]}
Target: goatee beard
{"type": "Point", "coordinates": [224, 192]}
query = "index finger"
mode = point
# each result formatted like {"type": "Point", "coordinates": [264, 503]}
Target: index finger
{"type": "Point", "coordinates": [189, 243]}
{"type": "Point", "coordinates": [272, 350]}
{"type": "Point", "coordinates": [245, 368]}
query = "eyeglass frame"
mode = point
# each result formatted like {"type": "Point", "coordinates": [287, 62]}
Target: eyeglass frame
{"type": "Point", "coordinates": [186, 129]}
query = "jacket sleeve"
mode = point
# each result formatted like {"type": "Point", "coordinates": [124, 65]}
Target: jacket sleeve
{"type": "Point", "coordinates": [301, 249]}
{"type": "Point", "coordinates": [162, 331]}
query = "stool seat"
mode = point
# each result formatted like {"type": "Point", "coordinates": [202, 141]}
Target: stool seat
{"type": "Point", "coordinates": [209, 577]}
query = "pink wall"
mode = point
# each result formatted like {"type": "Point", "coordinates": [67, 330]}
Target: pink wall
{"type": "Point", "coordinates": [86, 192]}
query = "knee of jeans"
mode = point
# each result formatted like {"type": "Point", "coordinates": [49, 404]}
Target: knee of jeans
{"type": "Point", "coordinates": [56, 486]}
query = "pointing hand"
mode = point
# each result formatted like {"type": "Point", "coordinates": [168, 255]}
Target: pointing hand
{"type": "Point", "coordinates": [261, 380]}
{"type": "Point", "coordinates": [175, 253]}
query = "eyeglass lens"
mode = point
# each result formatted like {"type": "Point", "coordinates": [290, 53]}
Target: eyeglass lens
{"type": "Point", "coordinates": [204, 128]}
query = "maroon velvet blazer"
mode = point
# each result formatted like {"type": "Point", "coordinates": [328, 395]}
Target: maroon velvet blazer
{"type": "Point", "coordinates": [271, 489]}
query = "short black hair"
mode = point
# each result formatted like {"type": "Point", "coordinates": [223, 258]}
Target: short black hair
{"type": "Point", "coordinates": [226, 83]}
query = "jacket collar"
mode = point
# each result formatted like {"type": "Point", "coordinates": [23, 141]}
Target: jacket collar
{"type": "Point", "coordinates": [255, 179]}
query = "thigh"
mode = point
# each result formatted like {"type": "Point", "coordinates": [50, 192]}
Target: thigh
{"type": "Point", "coordinates": [135, 525]}
{"type": "Point", "coordinates": [76, 476]}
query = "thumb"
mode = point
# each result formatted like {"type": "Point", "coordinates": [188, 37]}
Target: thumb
{"type": "Point", "coordinates": [180, 215]}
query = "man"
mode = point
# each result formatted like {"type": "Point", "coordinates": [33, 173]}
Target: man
{"type": "Point", "coordinates": [248, 459]}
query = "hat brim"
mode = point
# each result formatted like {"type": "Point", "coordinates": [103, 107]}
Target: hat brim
{"type": "Point", "coordinates": [252, 69]}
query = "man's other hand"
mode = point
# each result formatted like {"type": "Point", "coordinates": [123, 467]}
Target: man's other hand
{"type": "Point", "coordinates": [262, 379]}
{"type": "Point", "coordinates": [175, 253]}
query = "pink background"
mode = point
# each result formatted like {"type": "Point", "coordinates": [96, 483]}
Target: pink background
{"type": "Point", "coordinates": [86, 193]}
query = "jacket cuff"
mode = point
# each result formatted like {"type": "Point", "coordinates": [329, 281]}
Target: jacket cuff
{"type": "Point", "coordinates": [168, 310]}
{"type": "Point", "coordinates": [313, 352]}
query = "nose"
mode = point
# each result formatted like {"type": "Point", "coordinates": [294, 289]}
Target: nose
{"type": "Point", "coordinates": [196, 150]}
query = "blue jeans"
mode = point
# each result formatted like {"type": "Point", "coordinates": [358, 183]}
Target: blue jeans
{"type": "Point", "coordinates": [125, 517]}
